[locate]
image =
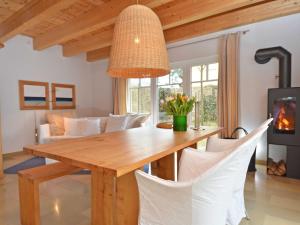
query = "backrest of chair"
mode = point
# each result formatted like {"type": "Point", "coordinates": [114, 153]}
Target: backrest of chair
{"type": "Point", "coordinates": [251, 140]}
{"type": "Point", "coordinates": [212, 191]}
{"type": "Point", "coordinates": [194, 163]}
{"type": "Point", "coordinates": [216, 144]}
{"type": "Point", "coordinates": [256, 132]}
{"type": "Point", "coordinates": [163, 202]}
{"type": "Point", "coordinates": [190, 168]}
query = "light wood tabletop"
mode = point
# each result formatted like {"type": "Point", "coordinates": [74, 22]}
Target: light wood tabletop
{"type": "Point", "coordinates": [113, 159]}
{"type": "Point", "coordinates": [120, 152]}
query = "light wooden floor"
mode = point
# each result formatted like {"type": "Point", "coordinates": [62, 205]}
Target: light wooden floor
{"type": "Point", "coordinates": [66, 201]}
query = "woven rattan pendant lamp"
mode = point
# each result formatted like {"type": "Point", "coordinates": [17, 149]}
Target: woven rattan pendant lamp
{"type": "Point", "coordinates": [138, 48]}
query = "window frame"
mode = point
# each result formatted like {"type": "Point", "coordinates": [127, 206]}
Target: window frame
{"type": "Point", "coordinates": [128, 99]}
{"type": "Point", "coordinates": [201, 82]}
{"type": "Point", "coordinates": [156, 89]}
{"type": "Point", "coordinates": [186, 66]}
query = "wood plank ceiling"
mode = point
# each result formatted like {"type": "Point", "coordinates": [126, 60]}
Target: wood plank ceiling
{"type": "Point", "coordinates": [86, 26]}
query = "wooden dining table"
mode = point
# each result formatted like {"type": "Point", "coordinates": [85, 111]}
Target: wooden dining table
{"type": "Point", "coordinates": [114, 157]}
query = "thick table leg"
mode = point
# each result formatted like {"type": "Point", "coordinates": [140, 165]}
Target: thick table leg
{"type": "Point", "coordinates": [165, 168]}
{"type": "Point", "coordinates": [194, 145]}
{"type": "Point", "coordinates": [29, 201]}
{"type": "Point", "coordinates": [115, 201]}
{"type": "Point", "coordinates": [127, 200]}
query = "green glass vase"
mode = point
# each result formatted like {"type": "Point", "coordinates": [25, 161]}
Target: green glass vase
{"type": "Point", "coordinates": [179, 123]}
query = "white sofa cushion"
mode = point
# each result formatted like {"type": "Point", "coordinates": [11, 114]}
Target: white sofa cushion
{"type": "Point", "coordinates": [116, 123]}
{"type": "Point", "coordinates": [81, 127]}
{"type": "Point", "coordinates": [56, 121]}
{"type": "Point", "coordinates": [103, 122]}
{"type": "Point", "coordinates": [136, 120]}
{"type": "Point", "coordinates": [92, 127]}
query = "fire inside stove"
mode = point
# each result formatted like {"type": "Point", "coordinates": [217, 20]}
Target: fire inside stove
{"type": "Point", "coordinates": [284, 114]}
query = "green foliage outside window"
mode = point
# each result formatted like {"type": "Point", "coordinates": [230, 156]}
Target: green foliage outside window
{"type": "Point", "coordinates": [208, 113]}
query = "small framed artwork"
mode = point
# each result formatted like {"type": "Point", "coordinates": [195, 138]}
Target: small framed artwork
{"type": "Point", "coordinates": [33, 95]}
{"type": "Point", "coordinates": [63, 96]}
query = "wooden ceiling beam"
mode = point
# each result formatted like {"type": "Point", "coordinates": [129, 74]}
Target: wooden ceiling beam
{"type": "Point", "coordinates": [171, 14]}
{"type": "Point", "coordinates": [99, 40]}
{"type": "Point", "coordinates": [29, 15]}
{"type": "Point", "coordinates": [98, 54]}
{"type": "Point", "coordinates": [232, 19]}
{"type": "Point", "coordinates": [181, 12]}
{"type": "Point", "coordinates": [241, 17]}
{"type": "Point", "coordinates": [98, 18]}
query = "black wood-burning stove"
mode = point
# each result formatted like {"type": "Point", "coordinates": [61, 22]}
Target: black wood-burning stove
{"type": "Point", "coordinates": [282, 106]}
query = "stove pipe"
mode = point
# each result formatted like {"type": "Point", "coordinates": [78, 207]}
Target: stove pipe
{"type": "Point", "coordinates": [263, 56]}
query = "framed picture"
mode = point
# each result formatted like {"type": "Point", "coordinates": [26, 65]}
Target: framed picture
{"type": "Point", "coordinates": [63, 96]}
{"type": "Point", "coordinates": [33, 95]}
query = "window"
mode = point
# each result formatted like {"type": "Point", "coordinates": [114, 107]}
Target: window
{"type": "Point", "coordinates": [139, 95]}
{"type": "Point", "coordinates": [167, 85]}
{"type": "Point", "coordinates": [204, 86]}
{"type": "Point", "coordinates": [197, 78]}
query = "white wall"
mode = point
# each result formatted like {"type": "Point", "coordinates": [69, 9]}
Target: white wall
{"type": "Point", "coordinates": [19, 61]}
{"type": "Point", "coordinates": [102, 88]}
{"type": "Point", "coordinates": [192, 51]}
{"type": "Point", "coordinates": [255, 79]}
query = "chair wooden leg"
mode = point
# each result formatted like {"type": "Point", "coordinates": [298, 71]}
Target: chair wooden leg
{"type": "Point", "coordinates": [29, 201]}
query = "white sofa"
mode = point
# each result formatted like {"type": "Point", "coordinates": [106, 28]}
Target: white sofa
{"type": "Point", "coordinates": [45, 134]}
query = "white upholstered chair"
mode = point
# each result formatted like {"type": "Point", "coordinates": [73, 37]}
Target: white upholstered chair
{"type": "Point", "coordinates": [237, 211]}
{"type": "Point", "coordinates": [202, 201]}
{"type": "Point", "coordinates": [204, 193]}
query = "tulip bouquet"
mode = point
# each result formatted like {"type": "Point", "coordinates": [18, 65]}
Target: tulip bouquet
{"type": "Point", "coordinates": [179, 106]}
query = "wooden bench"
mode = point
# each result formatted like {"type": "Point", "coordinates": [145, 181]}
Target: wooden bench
{"type": "Point", "coordinates": [29, 181]}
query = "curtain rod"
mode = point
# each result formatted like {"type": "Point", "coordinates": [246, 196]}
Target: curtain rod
{"type": "Point", "coordinates": [208, 39]}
